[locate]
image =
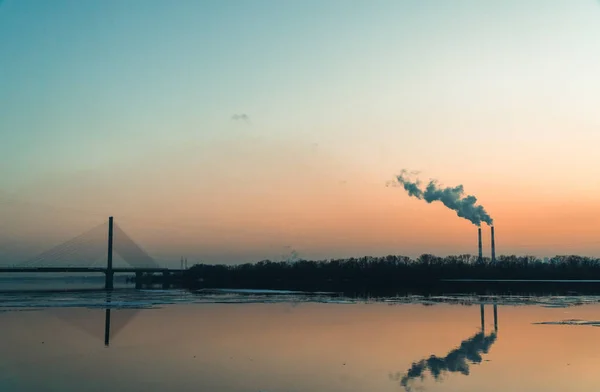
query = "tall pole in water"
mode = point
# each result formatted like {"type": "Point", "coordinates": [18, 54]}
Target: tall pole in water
{"type": "Point", "coordinates": [480, 247]}
{"type": "Point", "coordinates": [108, 283]}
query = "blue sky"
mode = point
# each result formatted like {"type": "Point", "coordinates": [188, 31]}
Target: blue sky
{"type": "Point", "coordinates": [129, 90]}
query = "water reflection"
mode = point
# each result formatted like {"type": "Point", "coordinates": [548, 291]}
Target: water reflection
{"type": "Point", "coordinates": [456, 361]}
{"type": "Point", "coordinates": [107, 328]}
{"type": "Point", "coordinates": [251, 347]}
{"type": "Point", "coordinates": [86, 320]}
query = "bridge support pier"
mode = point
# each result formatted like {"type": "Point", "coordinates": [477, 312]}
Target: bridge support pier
{"type": "Point", "coordinates": [139, 277]}
{"type": "Point", "coordinates": [108, 282]}
{"type": "Point", "coordinates": [166, 278]}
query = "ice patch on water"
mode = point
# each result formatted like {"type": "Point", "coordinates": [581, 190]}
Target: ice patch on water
{"type": "Point", "coordinates": [570, 322]}
{"type": "Point", "coordinates": [145, 299]}
{"type": "Point", "coordinates": [510, 300]}
{"type": "Point", "coordinates": [126, 299]}
{"type": "Point", "coordinates": [262, 291]}
{"type": "Point", "coordinates": [21, 310]}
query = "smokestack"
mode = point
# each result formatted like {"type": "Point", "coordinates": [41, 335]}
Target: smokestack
{"type": "Point", "coordinates": [480, 247]}
{"type": "Point", "coordinates": [493, 246]}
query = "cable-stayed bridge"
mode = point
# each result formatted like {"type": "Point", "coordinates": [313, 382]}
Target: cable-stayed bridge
{"type": "Point", "coordinates": [93, 251]}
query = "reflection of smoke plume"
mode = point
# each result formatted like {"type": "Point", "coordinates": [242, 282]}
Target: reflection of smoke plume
{"type": "Point", "coordinates": [457, 360]}
{"type": "Point", "coordinates": [452, 198]}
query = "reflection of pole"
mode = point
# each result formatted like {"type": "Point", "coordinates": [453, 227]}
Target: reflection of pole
{"type": "Point", "coordinates": [495, 317]}
{"type": "Point", "coordinates": [107, 323]}
{"type": "Point", "coordinates": [107, 328]}
{"type": "Point", "coordinates": [482, 318]}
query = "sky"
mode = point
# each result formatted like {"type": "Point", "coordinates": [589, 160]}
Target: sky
{"type": "Point", "coordinates": [230, 131]}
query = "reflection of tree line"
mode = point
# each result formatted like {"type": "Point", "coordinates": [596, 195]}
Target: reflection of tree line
{"type": "Point", "coordinates": [386, 273]}
{"type": "Point", "coordinates": [456, 361]}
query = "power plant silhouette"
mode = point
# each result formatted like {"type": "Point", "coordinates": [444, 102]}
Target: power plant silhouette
{"type": "Point", "coordinates": [493, 244]}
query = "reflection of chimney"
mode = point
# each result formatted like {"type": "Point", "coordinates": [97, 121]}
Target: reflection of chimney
{"type": "Point", "coordinates": [495, 317]}
{"type": "Point", "coordinates": [482, 317]}
{"type": "Point", "coordinates": [493, 246]}
{"type": "Point", "coordinates": [480, 247]}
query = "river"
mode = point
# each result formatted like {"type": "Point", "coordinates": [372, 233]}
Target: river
{"type": "Point", "coordinates": [238, 341]}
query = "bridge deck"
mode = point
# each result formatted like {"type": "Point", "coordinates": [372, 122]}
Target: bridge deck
{"type": "Point", "coordinates": [82, 269]}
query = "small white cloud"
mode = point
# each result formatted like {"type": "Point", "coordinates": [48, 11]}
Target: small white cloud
{"type": "Point", "coordinates": [240, 117]}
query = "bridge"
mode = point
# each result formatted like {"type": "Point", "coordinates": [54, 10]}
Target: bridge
{"type": "Point", "coordinates": [89, 248]}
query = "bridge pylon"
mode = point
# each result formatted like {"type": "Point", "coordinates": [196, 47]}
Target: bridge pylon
{"type": "Point", "coordinates": [109, 274]}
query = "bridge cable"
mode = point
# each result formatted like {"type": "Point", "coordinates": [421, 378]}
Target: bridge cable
{"type": "Point", "coordinates": [130, 251]}
{"type": "Point", "coordinates": [71, 247]}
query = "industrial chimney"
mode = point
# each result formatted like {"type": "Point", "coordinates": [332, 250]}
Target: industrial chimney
{"type": "Point", "coordinates": [480, 247]}
{"type": "Point", "coordinates": [493, 246]}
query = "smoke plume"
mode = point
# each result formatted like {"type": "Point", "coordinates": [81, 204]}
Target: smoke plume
{"type": "Point", "coordinates": [451, 197]}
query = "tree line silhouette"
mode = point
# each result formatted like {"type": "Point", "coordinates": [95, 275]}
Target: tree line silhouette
{"type": "Point", "coordinates": [396, 274]}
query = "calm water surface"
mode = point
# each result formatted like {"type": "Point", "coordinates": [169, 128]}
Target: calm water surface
{"type": "Point", "coordinates": [233, 342]}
